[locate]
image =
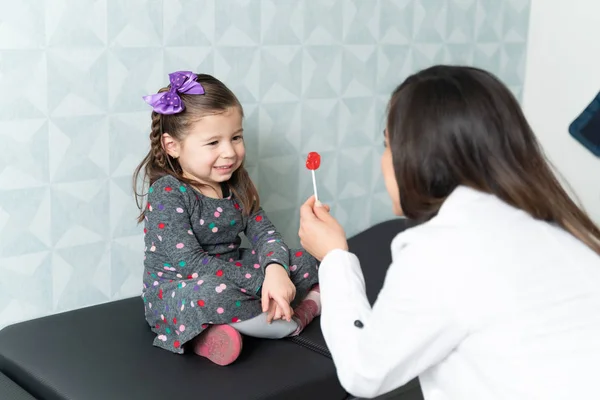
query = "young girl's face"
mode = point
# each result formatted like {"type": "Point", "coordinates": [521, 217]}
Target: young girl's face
{"type": "Point", "coordinates": [212, 150]}
{"type": "Point", "coordinates": [389, 176]}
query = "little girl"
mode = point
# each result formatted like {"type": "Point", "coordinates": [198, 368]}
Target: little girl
{"type": "Point", "coordinates": [200, 288]}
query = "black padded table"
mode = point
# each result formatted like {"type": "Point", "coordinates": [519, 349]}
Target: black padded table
{"type": "Point", "coordinates": [74, 355]}
{"type": "Point", "coordinates": [9, 390]}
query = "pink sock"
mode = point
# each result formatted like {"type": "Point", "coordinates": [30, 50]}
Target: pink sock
{"type": "Point", "coordinates": [307, 310]}
{"type": "Point", "coordinates": [221, 344]}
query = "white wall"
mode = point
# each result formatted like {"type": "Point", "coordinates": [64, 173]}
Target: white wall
{"type": "Point", "coordinates": [562, 77]}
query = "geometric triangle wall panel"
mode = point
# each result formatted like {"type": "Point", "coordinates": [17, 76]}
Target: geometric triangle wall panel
{"type": "Point", "coordinates": [311, 76]}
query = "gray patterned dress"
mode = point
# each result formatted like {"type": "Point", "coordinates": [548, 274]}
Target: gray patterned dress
{"type": "Point", "coordinates": [195, 272]}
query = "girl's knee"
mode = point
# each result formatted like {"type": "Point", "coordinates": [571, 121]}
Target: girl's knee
{"type": "Point", "coordinates": [260, 328]}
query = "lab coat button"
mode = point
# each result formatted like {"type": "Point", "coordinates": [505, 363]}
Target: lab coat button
{"type": "Point", "coordinates": [358, 323]}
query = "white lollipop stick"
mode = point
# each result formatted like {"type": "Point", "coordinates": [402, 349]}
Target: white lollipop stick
{"type": "Point", "coordinates": [315, 186]}
{"type": "Point", "coordinates": [313, 161]}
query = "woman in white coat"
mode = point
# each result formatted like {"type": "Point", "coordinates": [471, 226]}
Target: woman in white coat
{"type": "Point", "coordinates": [496, 294]}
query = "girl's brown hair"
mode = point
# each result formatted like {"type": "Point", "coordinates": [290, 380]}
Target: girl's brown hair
{"type": "Point", "coordinates": [453, 125]}
{"type": "Point", "coordinates": [157, 163]}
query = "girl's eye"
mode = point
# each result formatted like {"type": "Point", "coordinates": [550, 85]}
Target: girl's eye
{"type": "Point", "coordinates": [238, 137]}
{"type": "Point", "coordinates": [213, 143]}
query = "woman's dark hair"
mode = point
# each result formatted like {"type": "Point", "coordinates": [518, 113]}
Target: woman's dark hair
{"type": "Point", "coordinates": [157, 163]}
{"type": "Point", "coordinates": [455, 125]}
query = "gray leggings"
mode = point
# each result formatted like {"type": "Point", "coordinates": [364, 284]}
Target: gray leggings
{"type": "Point", "coordinates": [258, 327]}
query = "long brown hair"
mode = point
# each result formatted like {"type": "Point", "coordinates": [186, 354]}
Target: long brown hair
{"type": "Point", "coordinates": [157, 163]}
{"type": "Point", "coordinates": [454, 125]}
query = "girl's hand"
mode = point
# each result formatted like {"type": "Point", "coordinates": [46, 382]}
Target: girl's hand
{"type": "Point", "coordinates": [275, 311]}
{"type": "Point", "coordinates": [278, 287]}
{"type": "Point", "coordinates": [319, 231]}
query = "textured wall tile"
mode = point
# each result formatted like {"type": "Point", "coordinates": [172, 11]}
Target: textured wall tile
{"type": "Point", "coordinates": [79, 213]}
{"type": "Point", "coordinates": [135, 23]}
{"type": "Point", "coordinates": [321, 71]}
{"type": "Point", "coordinates": [26, 286]}
{"type": "Point", "coordinates": [281, 74]}
{"type": "Point", "coordinates": [24, 161]}
{"type": "Point", "coordinates": [78, 148]}
{"type": "Point", "coordinates": [360, 21]}
{"type": "Point", "coordinates": [77, 81]}
{"type": "Point", "coordinates": [22, 24]}
{"type": "Point", "coordinates": [323, 22]}
{"type": "Point", "coordinates": [199, 59]}
{"type": "Point", "coordinates": [189, 22]}
{"type": "Point", "coordinates": [279, 130]}
{"type": "Point", "coordinates": [74, 285]}
{"type": "Point", "coordinates": [239, 68]}
{"type": "Point", "coordinates": [358, 123]}
{"type": "Point", "coordinates": [237, 22]}
{"type": "Point", "coordinates": [128, 144]}
{"type": "Point", "coordinates": [282, 22]}
{"type": "Point", "coordinates": [311, 75]}
{"type": "Point", "coordinates": [76, 23]}
{"type": "Point", "coordinates": [24, 83]}
{"type": "Point", "coordinates": [132, 74]}
{"type": "Point", "coordinates": [397, 21]}
{"type": "Point", "coordinates": [251, 133]}
{"type": "Point", "coordinates": [394, 62]}
{"type": "Point", "coordinates": [24, 222]}
{"type": "Point", "coordinates": [357, 78]}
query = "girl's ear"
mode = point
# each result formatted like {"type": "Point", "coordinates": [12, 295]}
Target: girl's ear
{"type": "Point", "coordinates": [170, 145]}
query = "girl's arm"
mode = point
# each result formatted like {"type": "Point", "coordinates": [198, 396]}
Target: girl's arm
{"type": "Point", "coordinates": [410, 327]}
{"type": "Point", "coordinates": [168, 230]}
{"type": "Point", "coordinates": [266, 241]}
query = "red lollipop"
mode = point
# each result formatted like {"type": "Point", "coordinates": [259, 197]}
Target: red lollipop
{"type": "Point", "coordinates": [313, 162]}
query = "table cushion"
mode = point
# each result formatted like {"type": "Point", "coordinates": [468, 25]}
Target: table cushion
{"type": "Point", "coordinates": [105, 352]}
{"type": "Point", "coordinates": [11, 391]}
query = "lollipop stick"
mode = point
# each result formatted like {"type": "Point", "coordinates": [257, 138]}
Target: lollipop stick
{"type": "Point", "coordinates": [315, 186]}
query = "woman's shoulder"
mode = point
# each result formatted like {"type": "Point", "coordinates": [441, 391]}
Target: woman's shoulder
{"type": "Point", "coordinates": [429, 240]}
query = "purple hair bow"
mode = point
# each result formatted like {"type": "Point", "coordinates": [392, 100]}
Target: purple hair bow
{"type": "Point", "coordinates": [169, 102]}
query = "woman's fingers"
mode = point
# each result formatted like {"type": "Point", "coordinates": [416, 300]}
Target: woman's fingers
{"type": "Point", "coordinates": [322, 213]}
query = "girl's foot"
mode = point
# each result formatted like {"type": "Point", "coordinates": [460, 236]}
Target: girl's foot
{"type": "Point", "coordinates": [307, 310]}
{"type": "Point", "coordinates": [221, 344]}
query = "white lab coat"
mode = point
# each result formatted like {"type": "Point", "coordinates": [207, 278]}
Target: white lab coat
{"type": "Point", "coordinates": [481, 302]}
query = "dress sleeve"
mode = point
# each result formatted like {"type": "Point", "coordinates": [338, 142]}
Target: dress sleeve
{"type": "Point", "coordinates": [410, 328]}
{"type": "Point", "coordinates": [266, 241]}
{"type": "Point", "coordinates": [168, 230]}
